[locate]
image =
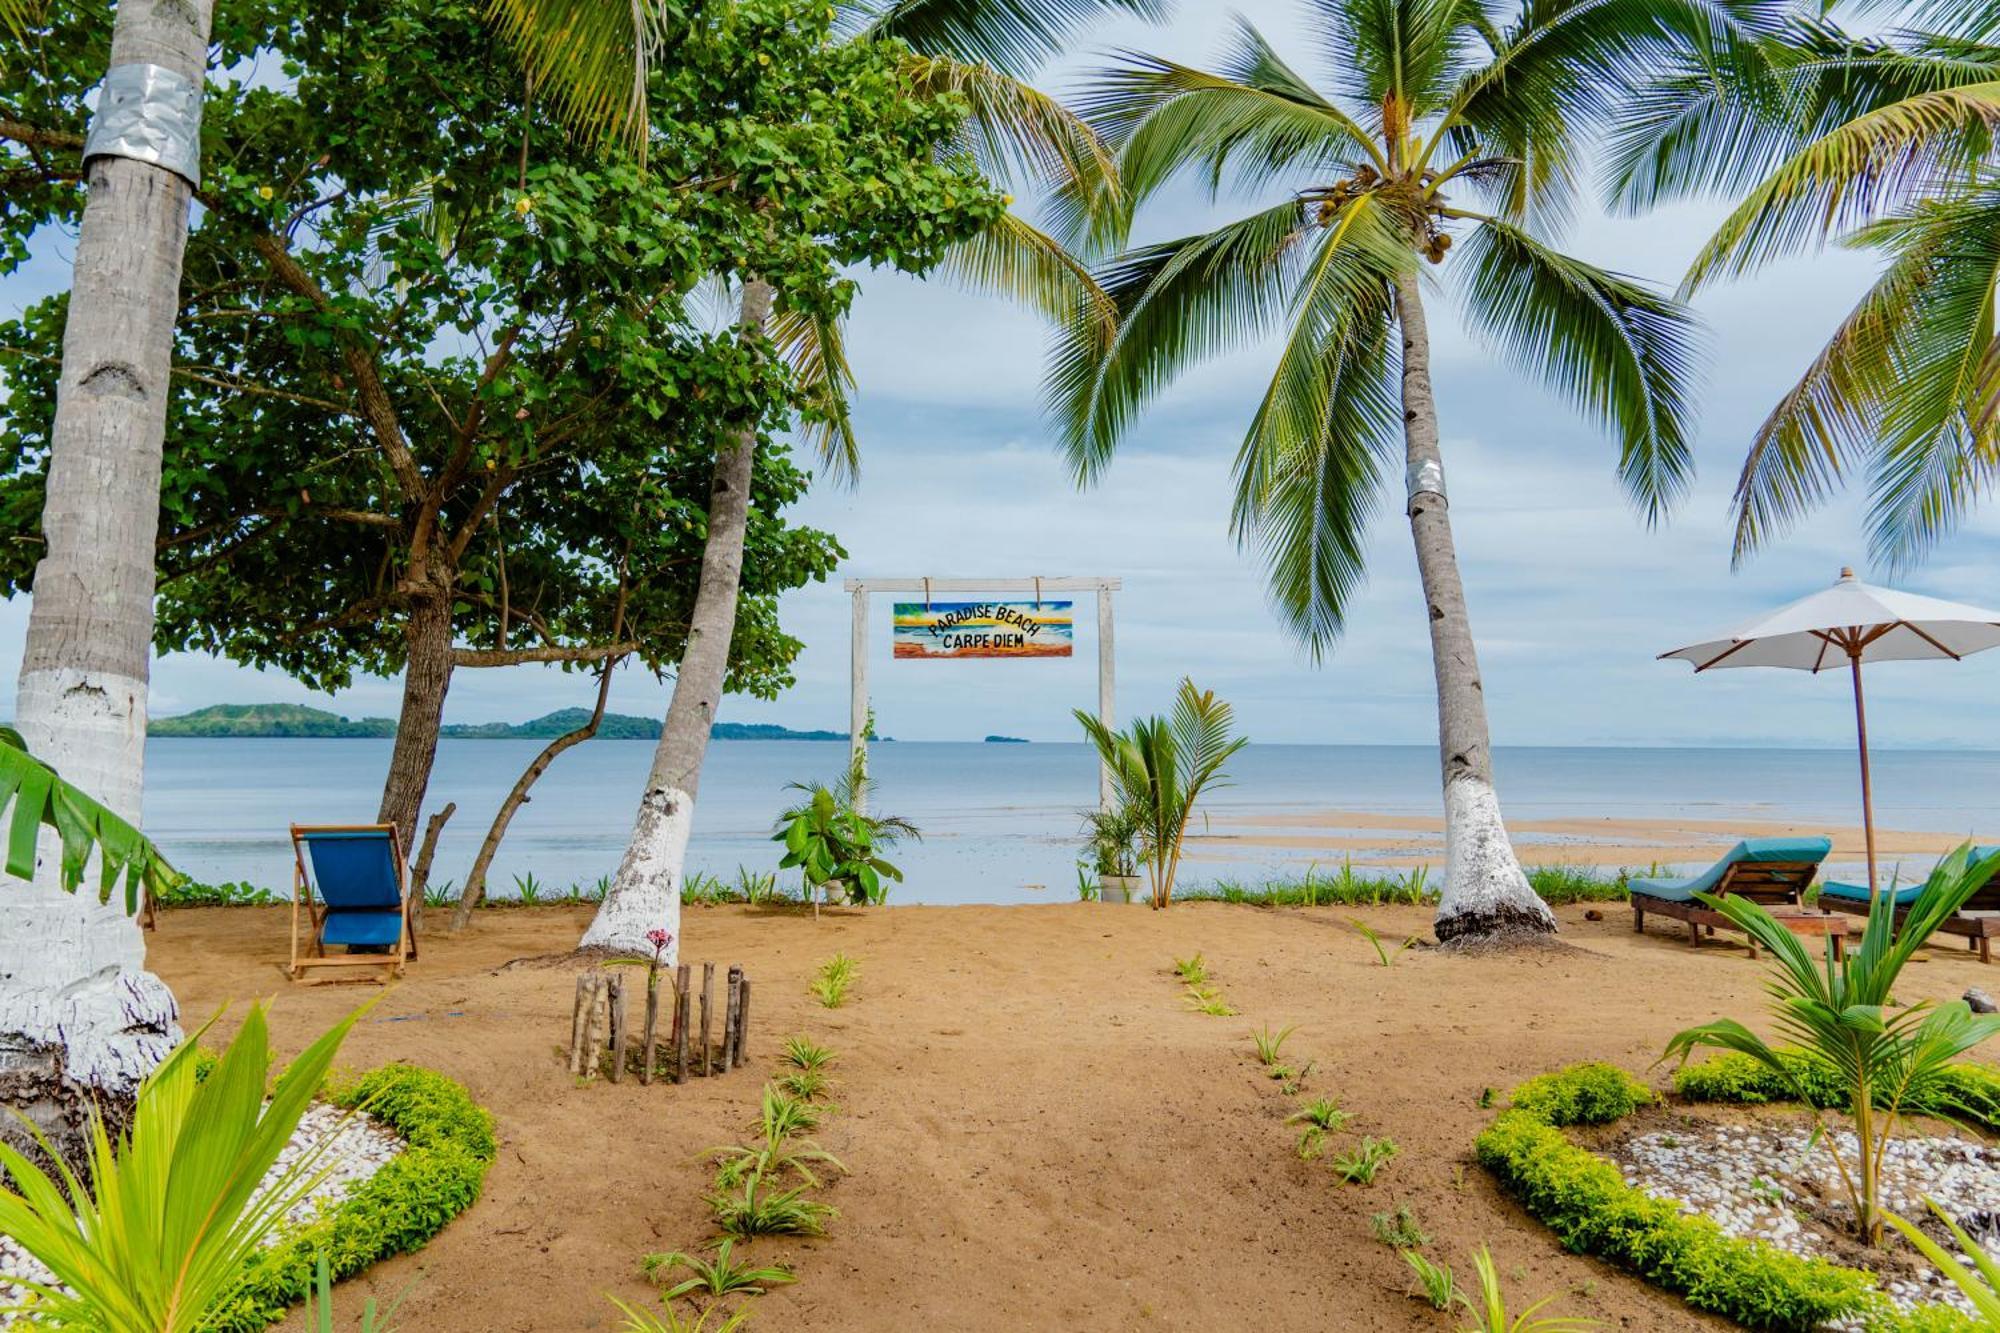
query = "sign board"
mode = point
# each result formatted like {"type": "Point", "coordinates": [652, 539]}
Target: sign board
{"type": "Point", "coordinates": [983, 629]}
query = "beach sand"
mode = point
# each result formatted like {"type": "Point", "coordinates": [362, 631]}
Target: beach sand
{"type": "Point", "coordinates": [1326, 838]}
{"type": "Point", "coordinates": [1041, 1134]}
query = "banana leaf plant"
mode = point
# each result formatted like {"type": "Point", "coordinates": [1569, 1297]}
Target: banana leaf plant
{"type": "Point", "coordinates": [837, 845]}
{"type": "Point", "coordinates": [39, 796]}
{"type": "Point", "coordinates": [1160, 766]}
{"type": "Point", "coordinates": [1843, 1012]}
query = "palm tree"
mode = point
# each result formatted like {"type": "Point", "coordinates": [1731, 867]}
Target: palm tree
{"type": "Point", "coordinates": [1886, 144]}
{"type": "Point", "coordinates": [593, 59]}
{"type": "Point", "coordinates": [1447, 138]}
{"type": "Point", "coordinates": [80, 1018]}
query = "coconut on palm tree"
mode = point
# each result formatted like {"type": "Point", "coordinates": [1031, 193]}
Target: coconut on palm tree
{"type": "Point", "coordinates": [1446, 143]}
{"type": "Point", "coordinates": [594, 59]}
{"type": "Point", "coordinates": [1885, 144]}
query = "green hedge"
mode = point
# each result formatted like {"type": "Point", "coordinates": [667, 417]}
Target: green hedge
{"type": "Point", "coordinates": [1966, 1092]}
{"type": "Point", "coordinates": [1584, 1199]}
{"type": "Point", "coordinates": [449, 1144]}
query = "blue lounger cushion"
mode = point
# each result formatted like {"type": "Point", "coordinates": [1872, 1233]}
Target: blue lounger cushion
{"type": "Point", "coordinates": [1748, 850]}
{"type": "Point", "coordinates": [373, 929]}
{"type": "Point", "coordinates": [1905, 894]}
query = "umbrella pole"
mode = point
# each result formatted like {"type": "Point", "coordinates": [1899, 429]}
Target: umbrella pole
{"type": "Point", "coordinates": [1867, 793]}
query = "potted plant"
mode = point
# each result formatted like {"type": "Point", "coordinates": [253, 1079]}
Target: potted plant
{"type": "Point", "coordinates": [1112, 841]}
{"type": "Point", "coordinates": [836, 847]}
{"type": "Point", "coordinates": [1160, 766]}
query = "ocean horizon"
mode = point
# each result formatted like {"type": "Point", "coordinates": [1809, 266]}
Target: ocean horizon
{"type": "Point", "coordinates": [1001, 822]}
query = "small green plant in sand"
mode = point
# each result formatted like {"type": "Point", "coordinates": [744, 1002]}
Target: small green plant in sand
{"type": "Point", "coordinates": [1269, 1043]}
{"type": "Point", "coordinates": [1491, 1315]}
{"type": "Point", "coordinates": [1399, 1230]}
{"type": "Point", "coordinates": [1383, 952]}
{"type": "Point", "coordinates": [440, 895]}
{"type": "Point", "coordinates": [1358, 1165]}
{"type": "Point", "coordinates": [669, 1320]}
{"type": "Point", "coordinates": [1440, 1287]}
{"type": "Point", "coordinates": [1208, 1000]}
{"type": "Point", "coordinates": [808, 1085]}
{"type": "Point", "coordinates": [720, 1276]}
{"type": "Point", "coordinates": [319, 1305]}
{"type": "Point", "coordinates": [527, 890]}
{"type": "Point", "coordinates": [783, 1115]}
{"type": "Point", "coordinates": [1320, 1117]}
{"type": "Point", "coordinates": [1192, 971]}
{"type": "Point", "coordinates": [759, 1206]}
{"type": "Point", "coordinates": [1290, 1083]}
{"type": "Point", "coordinates": [805, 1054]}
{"type": "Point", "coordinates": [835, 975]}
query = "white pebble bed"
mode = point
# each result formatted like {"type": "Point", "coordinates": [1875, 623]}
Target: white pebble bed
{"type": "Point", "coordinates": [359, 1147]}
{"type": "Point", "coordinates": [1754, 1181]}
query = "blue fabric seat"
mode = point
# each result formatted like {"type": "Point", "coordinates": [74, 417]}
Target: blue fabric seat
{"type": "Point", "coordinates": [358, 876]}
{"type": "Point", "coordinates": [1904, 895]}
{"type": "Point", "coordinates": [1748, 851]}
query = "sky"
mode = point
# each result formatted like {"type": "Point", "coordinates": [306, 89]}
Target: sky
{"type": "Point", "coordinates": [1571, 595]}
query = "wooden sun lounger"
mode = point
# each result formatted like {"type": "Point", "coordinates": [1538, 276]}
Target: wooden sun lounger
{"type": "Point", "coordinates": [1774, 884]}
{"type": "Point", "coordinates": [387, 964]}
{"type": "Point", "coordinates": [1979, 932]}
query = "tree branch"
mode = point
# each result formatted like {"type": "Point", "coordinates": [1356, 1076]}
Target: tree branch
{"type": "Point", "coordinates": [497, 657]}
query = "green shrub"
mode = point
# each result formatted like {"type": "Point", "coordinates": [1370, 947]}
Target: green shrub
{"type": "Point", "coordinates": [1585, 1094]}
{"type": "Point", "coordinates": [1966, 1092]}
{"type": "Point", "coordinates": [1585, 1201]}
{"type": "Point", "coordinates": [242, 893]}
{"type": "Point", "coordinates": [449, 1144]}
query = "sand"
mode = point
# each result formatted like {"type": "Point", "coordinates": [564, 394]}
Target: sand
{"type": "Point", "coordinates": [1041, 1135]}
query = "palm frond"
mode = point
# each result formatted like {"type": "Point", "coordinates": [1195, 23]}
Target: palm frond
{"type": "Point", "coordinates": [1909, 380]}
{"type": "Point", "coordinates": [1623, 354]}
{"type": "Point", "coordinates": [1842, 179]}
{"type": "Point", "coordinates": [814, 346]}
{"type": "Point", "coordinates": [1013, 36]}
{"type": "Point", "coordinates": [1169, 118]}
{"type": "Point", "coordinates": [1308, 474]}
{"type": "Point", "coordinates": [1179, 303]}
{"type": "Point", "coordinates": [590, 58]}
{"type": "Point", "coordinates": [1396, 57]}
{"type": "Point", "coordinates": [1011, 258]}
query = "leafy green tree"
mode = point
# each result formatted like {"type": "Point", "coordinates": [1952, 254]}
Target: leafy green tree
{"type": "Point", "coordinates": [1449, 137]}
{"type": "Point", "coordinates": [996, 120]}
{"type": "Point", "coordinates": [1884, 144]}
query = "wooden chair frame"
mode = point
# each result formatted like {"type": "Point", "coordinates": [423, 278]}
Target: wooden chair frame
{"type": "Point", "coordinates": [1769, 883]}
{"type": "Point", "coordinates": [1979, 931]}
{"type": "Point", "coordinates": [387, 964]}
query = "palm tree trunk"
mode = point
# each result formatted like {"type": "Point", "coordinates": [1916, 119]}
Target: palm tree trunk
{"type": "Point", "coordinates": [81, 1020]}
{"type": "Point", "coordinates": [646, 894]}
{"type": "Point", "coordinates": [1485, 896]}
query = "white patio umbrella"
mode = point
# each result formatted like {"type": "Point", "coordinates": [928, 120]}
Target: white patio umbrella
{"type": "Point", "coordinates": [1854, 622]}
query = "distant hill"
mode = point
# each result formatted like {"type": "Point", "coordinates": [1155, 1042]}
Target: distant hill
{"type": "Point", "coordinates": [267, 720]}
{"type": "Point", "coordinates": [1006, 740]}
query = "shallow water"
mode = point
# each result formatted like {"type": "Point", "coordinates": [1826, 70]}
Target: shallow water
{"type": "Point", "coordinates": [1000, 821]}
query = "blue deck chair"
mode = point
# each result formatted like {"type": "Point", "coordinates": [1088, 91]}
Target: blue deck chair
{"type": "Point", "coordinates": [361, 883]}
{"type": "Point", "coordinates": [1772, 871]}
{"type": "Point", "coordinates": [1972, 920]}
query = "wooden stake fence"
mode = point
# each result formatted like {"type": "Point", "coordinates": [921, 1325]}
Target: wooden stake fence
{"type": "Point", "coordinates": [599, 1021]}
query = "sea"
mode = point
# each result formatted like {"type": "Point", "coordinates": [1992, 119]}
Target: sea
{"type": "Point", "coordinates": [1000, 822]}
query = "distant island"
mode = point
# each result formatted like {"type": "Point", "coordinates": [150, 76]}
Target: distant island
{"type": "Point", "coordinates": [297, 720]}
{"type": "Point", "coordinates": [1006, 740]}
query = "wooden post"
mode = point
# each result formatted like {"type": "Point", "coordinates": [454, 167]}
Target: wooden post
{"type": "Point", "coordinates": [615, 988]}
{"type": "Point", "coordinates": [731, 997]}
{"type": "Point", "coordinates": [1867, 793]}
{"type": "Point", "coordinates": [857, 687]}
{"type": "Point", "coordinates": [743, 1016]}
{"type": "Point", "coordinates": [682, 999]}
{"type": "Point", "coordinates": [593, 1027]}
{"type": "Point", "coordinates": [577, 1018]}
{"type": "Point", "coordinates": [1107, 689]}
{"type": "Point", "coordinates": [707, 1002]}
{"type": "Point", "coordinates": [652, 1026]}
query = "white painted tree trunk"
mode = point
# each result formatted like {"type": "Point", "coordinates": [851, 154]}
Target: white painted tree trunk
{"type": "Point", "coordinates": [646, 894]}
{"type": "Point", "coordinates": [81, 1021]}
{"type": "Point", "coordinates": [1485, 896]}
